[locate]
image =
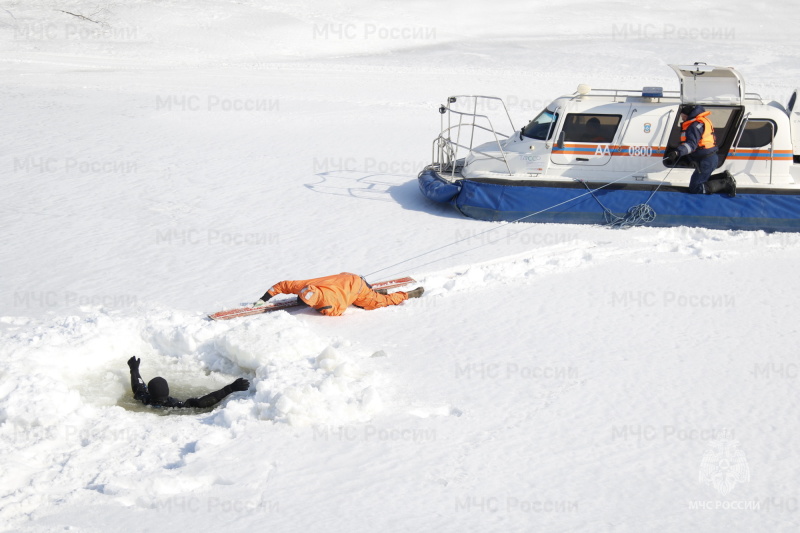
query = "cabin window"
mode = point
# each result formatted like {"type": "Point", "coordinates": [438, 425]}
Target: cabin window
{"type": "Point", "coordinates": [757, 133]}
{"type": "Point", "coordinates": [542, 126]}
{"type": "Point", "coordinates": [591, 128]}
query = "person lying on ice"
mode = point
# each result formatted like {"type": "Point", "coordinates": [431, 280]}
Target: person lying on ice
{"type": "Point", "coordinates": [331, 295]}
{"type": "Point", "coordinates": [156, 392]}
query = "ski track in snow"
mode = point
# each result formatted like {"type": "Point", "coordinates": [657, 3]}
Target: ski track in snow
{"type": "Point", "coordinates": [671, 245]}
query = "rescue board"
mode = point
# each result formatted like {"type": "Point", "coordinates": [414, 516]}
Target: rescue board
{"type": "Point", "coordinates": [294, 302]}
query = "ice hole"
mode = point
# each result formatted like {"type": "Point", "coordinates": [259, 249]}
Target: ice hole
{"type": "Point", "coordinates": [186, 378]}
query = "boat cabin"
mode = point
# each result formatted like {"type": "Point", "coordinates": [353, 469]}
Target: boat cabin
{"type": "Point", "coordinates": [599, 135]}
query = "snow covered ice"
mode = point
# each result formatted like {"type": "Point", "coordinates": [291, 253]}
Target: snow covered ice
{"type": "Point", "coordinates": [164, 160]}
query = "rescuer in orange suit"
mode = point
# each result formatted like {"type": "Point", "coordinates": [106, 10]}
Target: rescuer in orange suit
{"type": "Point", "coordinates": [331, 295]}
{"type": "Point", "coordinates": [699, 145]}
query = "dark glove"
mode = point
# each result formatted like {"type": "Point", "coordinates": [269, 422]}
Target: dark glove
{"type": "Point", "coordinates": [263, 300]}
{"type": "Point", "coordinates": [240, 384]}
{"type": "Point", "coordinates": [671, 158]}
{"type": "Point", "coordinates": [137, 383]}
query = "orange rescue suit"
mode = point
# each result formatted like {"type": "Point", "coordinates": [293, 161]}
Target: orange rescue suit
{"type": "Point", "coordinates": [331, 295]}
{"type": "Point", "coordinates": [707, 140]}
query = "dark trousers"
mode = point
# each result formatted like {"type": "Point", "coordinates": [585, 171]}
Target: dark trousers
{"type": "Point", "coordinates": [702, 171]}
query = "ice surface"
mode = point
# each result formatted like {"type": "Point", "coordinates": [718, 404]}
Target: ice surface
{"type": "Point", "coordinates": [166, 160]}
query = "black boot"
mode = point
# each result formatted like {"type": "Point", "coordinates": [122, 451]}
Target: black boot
{"type": "Point", "coordinates": [725, 184]}
{"type": "Point", "coordinates": [727, 178]}
{"type": "Point", "coordinates": [719, 176]}
{"type": "Point", "coordinates": [730, 186]}
{"type": "Point", "coordinates": [715, 186]}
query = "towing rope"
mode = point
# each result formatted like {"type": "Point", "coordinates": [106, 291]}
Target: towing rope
{"type": "Point", "coordinates": [504, 224]}
{"type": "Point", "coordinates": [636, 215]}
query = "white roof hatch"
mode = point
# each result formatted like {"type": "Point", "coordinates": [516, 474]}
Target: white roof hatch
{"type": "Point", "coordinates": [707, 84]}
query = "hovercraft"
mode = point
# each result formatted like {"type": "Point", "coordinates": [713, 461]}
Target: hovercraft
{"type": "Point", "coordinates": [596, 156]}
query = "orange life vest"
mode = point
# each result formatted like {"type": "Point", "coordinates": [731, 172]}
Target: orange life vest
{"type": "Point", "coordinates": [707, 140]}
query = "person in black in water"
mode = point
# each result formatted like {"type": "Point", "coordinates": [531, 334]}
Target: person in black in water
{"type": "Point", "coordinates": [156, 392]}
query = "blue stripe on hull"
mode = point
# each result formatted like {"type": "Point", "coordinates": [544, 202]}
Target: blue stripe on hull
{"type": "Point", "coordinates": [493, 201]}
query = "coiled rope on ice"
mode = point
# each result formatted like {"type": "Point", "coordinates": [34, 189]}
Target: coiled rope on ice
{"type": "Point", "coordinates": [636, 215]}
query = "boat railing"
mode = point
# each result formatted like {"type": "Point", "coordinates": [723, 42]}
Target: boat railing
{"type": "Point", "coordinates": [737, 139]}
{"type": "Point", "coordinates": [457, 135]}
{"type": "Point", "coordinates": [626, 93]}
{"type": "Point", "coordinates": [621, 93]}
{"type": "Point", "coordinates": [739, 133]}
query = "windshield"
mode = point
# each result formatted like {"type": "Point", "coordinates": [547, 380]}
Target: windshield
{"type": "Point", "coordinates": [541, 127]}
